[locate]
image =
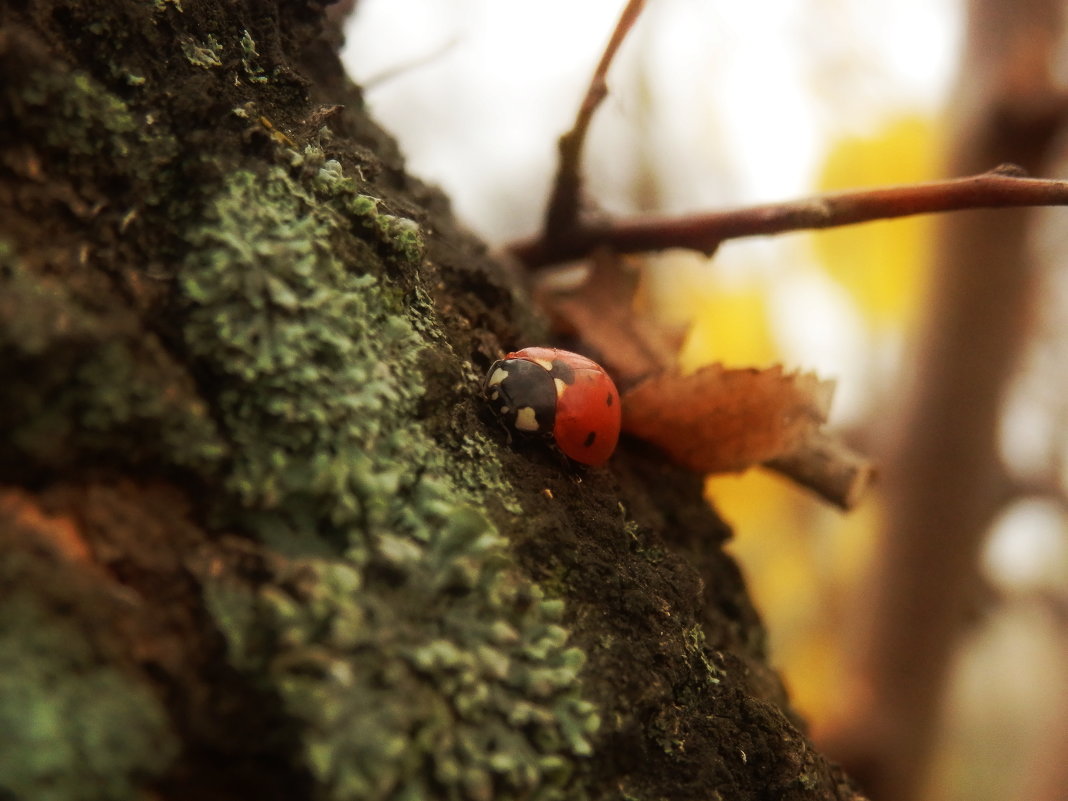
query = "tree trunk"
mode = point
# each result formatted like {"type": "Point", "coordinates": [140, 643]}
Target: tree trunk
{"type": "Point", "coordinates": [260, 538]}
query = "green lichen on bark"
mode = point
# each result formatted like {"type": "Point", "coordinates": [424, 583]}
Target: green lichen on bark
{"type": "Point", "coordinates": [84, 380]}
{"type": "Point", "coordinates": [72, 726]}
{"type": "Point", "coordinates": [206, 54]}
{"type": "Point", "coordinates": [84, 385]}
{"type": "Point", "coordinates": [399, 634]}
{"type": "Point", "coordinates": [84, 127]}
{"type": "Point", "coordinates": [413, 658]}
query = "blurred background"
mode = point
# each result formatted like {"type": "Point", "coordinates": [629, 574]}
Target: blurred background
{"type": "Point", "coordinates": [925, 634]}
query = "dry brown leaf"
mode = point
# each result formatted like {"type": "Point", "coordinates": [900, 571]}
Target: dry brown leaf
{"type": "Point", "coordinates": [723, 420]}
{"type": "Point", "coordinates": [600, 312]}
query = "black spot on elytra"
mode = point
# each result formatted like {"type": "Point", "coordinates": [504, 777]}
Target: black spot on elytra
{"type": "Point", "coordinates": [609, 401]}
{"type": "Point", "coordinates": [589, 439]}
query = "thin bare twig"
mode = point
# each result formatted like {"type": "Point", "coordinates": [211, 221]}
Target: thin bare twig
{"type": "Point", "coordinates": [828, 467]}
{"type": "Point", "coordinates": [405, 67]}
{"type": "Point", "coordinates": [563, 209]}
{"type": "Point", "coordinates": [1001, 187]}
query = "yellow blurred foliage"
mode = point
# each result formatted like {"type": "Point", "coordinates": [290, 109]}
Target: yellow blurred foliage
{"type": "Point", "coordinates": [725, 313]}
{"type": "Point", "coordinates": [881, 264]}
{"type": "Point", "coordinates": [802, 562]}
{"type": "Point", "coordinates": [732, 328]}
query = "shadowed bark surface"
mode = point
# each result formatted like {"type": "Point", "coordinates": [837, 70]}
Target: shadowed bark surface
{"type": "Point", "coordinates": [260, 537]}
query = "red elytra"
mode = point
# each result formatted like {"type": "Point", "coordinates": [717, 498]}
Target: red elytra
{"type": "Point", "coordinates": [570, 398]}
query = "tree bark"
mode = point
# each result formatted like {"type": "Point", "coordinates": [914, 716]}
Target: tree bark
{"type": "Point", "coordinates": [260, 537]}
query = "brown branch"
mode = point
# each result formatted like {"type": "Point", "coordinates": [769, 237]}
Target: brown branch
{"type": "Point", "coordinates": [562, 213]}
{"type": "Point", "coordinates": [829, 468]}
{"type": "Point", "coordinates": [1001, 187]}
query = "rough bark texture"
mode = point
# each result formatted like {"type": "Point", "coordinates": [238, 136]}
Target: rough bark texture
{"type": "Point", "coordinates": [260, 539]}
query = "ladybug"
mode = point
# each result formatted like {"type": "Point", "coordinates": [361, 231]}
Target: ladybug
{"type": "Point", "coordinates": [557, 394]}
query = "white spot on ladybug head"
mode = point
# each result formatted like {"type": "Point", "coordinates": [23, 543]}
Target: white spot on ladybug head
{"type": "Point", "coordinates": [560, 387]}
{"type": "Point", "coordinates": [525, 420]}
{"type": "Point", "coordinates": [496, 377]}
{"type": "Point", "coordinates": [545, 363]}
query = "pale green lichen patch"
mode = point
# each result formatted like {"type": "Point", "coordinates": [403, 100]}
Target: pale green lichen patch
{"type": "Point", "coordinates": [249, 59]}
{"type": "Point", "coordinates": [405, 690]}
{"type": "Point", "coordinates": [84, 384]}
{"type": "Point", "coordinates": [84, 118]}
{"type": "Point", "coordinates": [695, 646]}
{"type": "Point", "coordinates": [71, 726]}
{"type": "Point", "coordinates": [415, 658]}
{"type": "Point", "coordinates": [206, 54]}
{"type": "Point", "coordinates": [400, 234]}
{"type": "Point", "coordinates": [83, 127]}
{"type": "Point", "coordinates": [309, 351]}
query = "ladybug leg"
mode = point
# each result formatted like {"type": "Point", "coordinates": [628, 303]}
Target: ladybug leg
{"type": "Point", "coordinates": [507, 433]}
{"type": "Point", "coordinates": [576, 470]}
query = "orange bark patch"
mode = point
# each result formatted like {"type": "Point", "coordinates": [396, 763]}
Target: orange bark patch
{"type": "Point", "coordinates": [59, 532]}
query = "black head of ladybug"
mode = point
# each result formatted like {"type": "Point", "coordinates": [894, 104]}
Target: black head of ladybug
{"type": "Point", "coordinates": [523, 394]}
